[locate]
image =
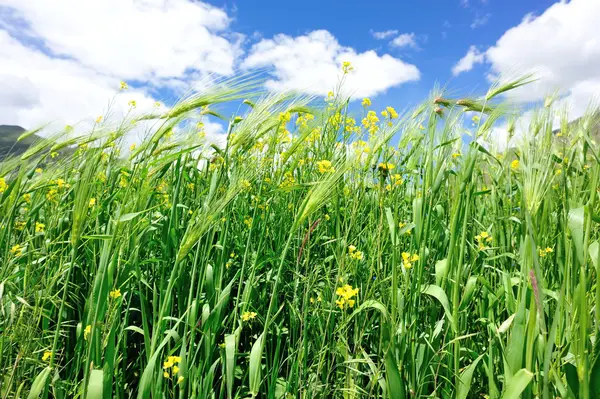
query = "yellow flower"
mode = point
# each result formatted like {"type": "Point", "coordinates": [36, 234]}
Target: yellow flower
{"type": "Point", "coordinates": [386, 166]}
{"type": "Point", "coordinates": [99, 119]}
{"type": "Point", "coordinates": [87, 331]}
{"type": "Point", "coordinates": [347, 67]}
{"type": "Point", "coordinates": [180, 379]}
{"type": "Point", "coordinates": [175, 369]}
{"type": "Point", "coordinates": [47, 356]}
{"type": "Point", "coordinates": [325, 166]}
{"type": "Point", "coordinates": [391, 112]}
{"type": "Point", "coordinates": [558, 172]}
{"type": "Point", "coordinates": [366, 102]}
{"type": "Point", "coordinates": [3, 185]}
{"type": "Point", "coordinates": [345, 295]}
{"type": "Point", "coordinates": [370, 122]}
{"type": "Point", "coordinates": [114, 294]}
{"type": "Point", "coordinates": [124, 86]}
{"type": "Point", "coordinates": [515, 164]}
{"type": "Point", "coordinates": [358, 255]}
{"type": "Point", "coordinates": [132, 103]}
{"type": "Point", "coordinates": [351, 248]}
{"type": "Point", "coordinates": [456, 155]}
{"type": "Point", "coordinates": [53, 154]}
{"type": "Point", "coordinates": [548, 250]}
{"type": "Point", "coordinates": [27, 198]}
{"type": "Point", "coordinates": [421, 127]}
{"type": "Point", "coordinates": [39, 227]}
{"type": "Point", "coordinates": [248, 316]}
{"type": "Point", "coordinates": [284, 117]}
{"type": "Point", "coordinates": [327, 217]}
{"type": "Point", "coordinates": [408, 259]}
{"type": "Point", "coordinates": [38, 170]}
{"type": "Point", "coordinates": [166, 374]}
{"type": "Point", "coordinates": [248, 221]}
{"type": "Point", "coordinates": [92, 202]}
{"type": "Point", "coordinates": [16, 250]}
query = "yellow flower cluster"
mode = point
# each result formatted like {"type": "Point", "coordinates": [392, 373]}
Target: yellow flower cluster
{"type": "Point", "coordinates": [366, 102]}
{"type": "Point", "coordinates": [408, 259]}
{"type": "Point", "coordinates": [39, 227]}
{"type": "Point", "coordinates": [544, 251]}
{"type": "Point", "coordinates": [246, 316]}
{"type": "Point", "coordinates": [16, 250]}
{"type": "Point", "coordinates": [347, 67]}
{"type": "Point", "coordinates": [360, 147]}
{"type": "Point", "coordinates": [47, 356]}
{"type": "Point", "coordinates": [345, 295]}
{"type": "Point", "coordinates": [397, 179]}
{"type": "Point", "coordinates": [385, 167]}
{"type": "Point", "coordinates": [114, 294]}
{"type": "Point", "coordinates": [248, 221]}
{"type": "Point", "coordinates": [303, 120]}
{"type": "Point", "coordinates": [370, 122]}
{"type": "Point", "coordinates": [87, 331]}
{"type": "Point", "coordinates": [288, 180]}
{"type": "Point", "coordinates": [481, 239]}
{"type": "Point", "coordinates": [325, 166]}
{"type": "Point", "coordinates": [389, 113]}
{"type": "Point", "coordinates": [354, 254]}
{"type": "Point", "coordinates": [171, 364]}
{"type": "Point", "coordinates": [3, 185]}
{"type": "Point", "coordinates": [515, 164]}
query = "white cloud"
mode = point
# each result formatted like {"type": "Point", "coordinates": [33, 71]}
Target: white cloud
{"type": "Point", "coordinates": [311, 63]}
{"type": "Point", "coordinates": [384, 34]}
{"type": "Point", "coordinates": [562, 48]}
{"type": "Point", "coordinates": [480, 20]}
{"type": "Point", "coordinates": [38, 89]}
{"type": "Point", "coordinates": [62, 61]}
{"type": "Point", "coordinates": [405, 40]}
{"type": "Point", "coordinates": [131, 39]}
{"type": "Point", "coordinates": [466, 63]}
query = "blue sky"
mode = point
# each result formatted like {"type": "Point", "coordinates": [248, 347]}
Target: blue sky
{"type": "Point", "coordinates": [443, 31]}
{"type": "Point", "coordinates": [62, 61]}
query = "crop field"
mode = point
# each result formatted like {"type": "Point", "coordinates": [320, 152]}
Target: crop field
{"type": "Point", "coordinates": [326, 249]}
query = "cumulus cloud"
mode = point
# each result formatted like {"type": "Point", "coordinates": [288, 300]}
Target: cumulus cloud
{"type": "Point", "coordinates": [311, 64]}
{"type": "Point", "coordinates": [131, 39]}
{"type": "Point", "coordinates": [466, 63]}
{"type": "Point", "coordinates": [405, 40]}
{"type": "Point", "coordinates": [62, 61]}
{"type": "Point", "coordinates": [384, 34]}
{"type": "Point", "coordinates": [561, 47]}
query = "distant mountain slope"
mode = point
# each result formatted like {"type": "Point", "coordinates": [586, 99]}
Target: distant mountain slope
{"type": "Point", "coordinates": [8, 140]}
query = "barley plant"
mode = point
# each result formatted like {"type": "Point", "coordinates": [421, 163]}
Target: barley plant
{"type": "Point", "coordinates": [325, 250]}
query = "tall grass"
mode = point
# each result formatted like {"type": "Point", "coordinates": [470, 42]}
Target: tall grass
{"type": "Point", "coordinates": [310, 256]}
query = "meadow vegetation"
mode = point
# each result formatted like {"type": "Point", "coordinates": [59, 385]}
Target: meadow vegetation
{"type": "Point", "coordinates": [317, 253]}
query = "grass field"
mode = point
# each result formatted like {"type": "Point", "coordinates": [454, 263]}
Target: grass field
{"type": "Point", "coordinates": [317, 254]}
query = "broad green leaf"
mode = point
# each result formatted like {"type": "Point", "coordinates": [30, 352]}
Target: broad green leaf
{"type": "Point", "coordinates": [438, 293]}
{"type": "Point", "coordinates": [395, 385]}
{"type": "Point", "coordinates": [465, 379]}
{"type": "Point", "coordinates": [255, 365]}
{"type": "Point", "coordinates": [517, 384]}
{"type": "Point", "coordinates": [39, 383]}
{"type": "Point", "coordinates": [575, 224]}
{"type": "Point", "coordinates": [95, 385]}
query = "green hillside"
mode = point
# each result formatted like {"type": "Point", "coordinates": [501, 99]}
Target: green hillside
{"type": "Point", "coordinates": [8, 140]}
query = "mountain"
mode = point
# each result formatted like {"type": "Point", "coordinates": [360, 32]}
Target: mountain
{"type": "Point", "coordinates": [8, 140]}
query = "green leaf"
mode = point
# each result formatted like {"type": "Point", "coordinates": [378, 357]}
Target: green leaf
{"type": "Point", "coordinates": [395, 386]}
{"type": "Point", "coordinates": [39, 383]}
{"type": "Point", "coordinates": [95, 385]}
{"type": "Point", "coordinates": [438, 293]}
{"type": "Point", "coordinates": [465, 378]}
{"type": "Point", "coordinates": [517, 384]}
{"type": "Point", "coordinates": [229, 362]}
{"type": "Point", "coordinates": [593, 251]}
{"type": "Point", "coordinates": [255, 365]}
{"type": "Point", "coordinates": [575, 224]}
{"type": "Point", "coordinates": [128, 216]}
